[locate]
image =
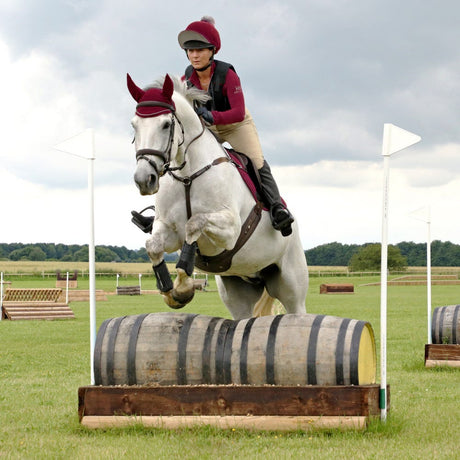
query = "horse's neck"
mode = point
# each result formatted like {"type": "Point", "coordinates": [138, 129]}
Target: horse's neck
{"type": "Point", "coordinates": [199, 150]}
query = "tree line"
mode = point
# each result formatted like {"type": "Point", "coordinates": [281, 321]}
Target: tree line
{"type": "Point", "coordinates": [443, 254]}
{"type": "Point", "coordinates": [70, 253]}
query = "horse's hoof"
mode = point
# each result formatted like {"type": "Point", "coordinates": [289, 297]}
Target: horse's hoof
{"type": "Point", "coordinates": [182, 298]}
{"type": "Point", "coordinates": [175, 300]}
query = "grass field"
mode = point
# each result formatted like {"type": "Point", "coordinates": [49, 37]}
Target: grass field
{"type": "Point", "coordinates": [42, 364]}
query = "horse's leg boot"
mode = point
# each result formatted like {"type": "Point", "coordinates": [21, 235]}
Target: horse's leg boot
{"type": "Point", "coordinates": [187, 258]}
{"type": "Point", "coordinates": [280, 216]}
{"type": "Point", "coordinates": [164, 282]}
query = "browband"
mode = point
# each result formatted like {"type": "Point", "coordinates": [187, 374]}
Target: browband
{"type": "Point", "coordinates": [156, 104]}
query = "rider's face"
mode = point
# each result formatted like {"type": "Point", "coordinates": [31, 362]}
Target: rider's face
{"type": "Point", "coordinates": [199, 58]}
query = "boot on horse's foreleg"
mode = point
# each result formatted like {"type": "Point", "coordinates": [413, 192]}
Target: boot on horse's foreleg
{"type": "Point", "coordinates": [184, 290]}
{"type": "Point", "coordinates": [187, 258]}
{"type": "Point", "coordinates": [166, 287]}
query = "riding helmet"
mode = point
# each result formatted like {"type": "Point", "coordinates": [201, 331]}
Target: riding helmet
{"type": "Point", "coordinates": [200, 34]}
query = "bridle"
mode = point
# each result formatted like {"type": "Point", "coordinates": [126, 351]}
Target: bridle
{"type": "Point", "coordinates": [165, 155]}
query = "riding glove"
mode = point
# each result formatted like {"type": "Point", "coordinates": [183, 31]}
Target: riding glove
{"type": "Point", "coordinates": [205, 114]}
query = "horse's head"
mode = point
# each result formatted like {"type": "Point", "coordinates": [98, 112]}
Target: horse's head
{"type": "Point", "coordinates": [155, 136]}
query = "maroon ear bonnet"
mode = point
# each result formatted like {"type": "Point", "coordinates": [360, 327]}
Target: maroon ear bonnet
{"type": "Point", "coordinates": [147, 99]}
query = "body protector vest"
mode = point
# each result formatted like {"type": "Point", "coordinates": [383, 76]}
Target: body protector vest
{"type": "Point", "coordinates": [219, 101]}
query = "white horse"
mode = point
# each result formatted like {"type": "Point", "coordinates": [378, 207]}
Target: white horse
{"type": "Point", "coordinates": [202, 204]}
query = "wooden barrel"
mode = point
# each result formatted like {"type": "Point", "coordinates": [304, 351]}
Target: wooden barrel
{"type": "Point", "coordinates": [187, 349]}
{"type": "Point", "coordinates": [445, 325]}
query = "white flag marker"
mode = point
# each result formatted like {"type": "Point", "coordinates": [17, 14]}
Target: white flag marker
{"type": "Point", "coordinates": [424, 214]}
{"type": "Point", "coordinates": [82, 145]}
{"type": "Point", "coordinates": [394, 140]}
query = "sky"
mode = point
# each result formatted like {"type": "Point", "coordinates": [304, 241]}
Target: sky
{"type": "Point", "coordinates": [320, 77]}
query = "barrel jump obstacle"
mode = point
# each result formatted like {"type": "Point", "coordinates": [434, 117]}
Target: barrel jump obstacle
{"type": "Point", "coordinates": [283, 372]}
{"type": "Point", "coordinates": [445, 336]}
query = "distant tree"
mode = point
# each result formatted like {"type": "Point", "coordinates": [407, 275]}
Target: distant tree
{"type": "Point", "coordinates": [331, 254]}
{"type": "Point", "coordinates": [368, 258]}
{"type": "Point", "coordinates": [415, 253]}
{"type": "Point", "coordinates": [82, 255]}
{"type": "Point", "coordinates": [36, 254]}
{"type": "Point", "coordinates": [104, 254]}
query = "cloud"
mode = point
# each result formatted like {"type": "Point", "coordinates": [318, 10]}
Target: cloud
{"type": "Point", "coordinates": [320, 77]}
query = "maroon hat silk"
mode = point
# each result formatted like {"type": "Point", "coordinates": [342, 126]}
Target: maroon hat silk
{"type": "Point", "coordinates": [200, 31]}
{"type": "Point", "coordinates": [153, 95]}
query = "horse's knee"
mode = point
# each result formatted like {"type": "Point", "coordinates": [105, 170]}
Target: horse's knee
{"type": "Point", "coordinates": [155, 250]}
{"type": "Point", "coordinates": [195, 227]}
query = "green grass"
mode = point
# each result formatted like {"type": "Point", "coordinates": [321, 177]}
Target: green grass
{"type": "Point", "coordinates": [42, 364]}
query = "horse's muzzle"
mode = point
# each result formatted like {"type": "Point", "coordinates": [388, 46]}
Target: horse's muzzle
{"type": "Point", "coordinates": [146, 181]}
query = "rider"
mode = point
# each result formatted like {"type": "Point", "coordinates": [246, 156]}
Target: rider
{"type": "Point", "coordinates": [225, 113]}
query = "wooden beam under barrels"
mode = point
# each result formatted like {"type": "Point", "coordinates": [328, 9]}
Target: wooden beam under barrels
{"type": "Point", "coordinates": [256, 407]}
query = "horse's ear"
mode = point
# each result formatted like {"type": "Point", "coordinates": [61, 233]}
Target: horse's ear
{"type": "Point", "coordinates": [135, 91]}
{"type": "Point", "coordinates": [168, 87]}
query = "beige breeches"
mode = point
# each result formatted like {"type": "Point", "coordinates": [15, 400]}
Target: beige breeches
{"type": "Point", "coordinates": [242, 137]}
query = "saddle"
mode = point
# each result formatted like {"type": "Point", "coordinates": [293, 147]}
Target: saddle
{"type": "Point", "coordinates": [248, 173]}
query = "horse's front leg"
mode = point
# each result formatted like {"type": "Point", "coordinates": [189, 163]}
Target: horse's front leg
{"type": "Point", "coordinates": [219, 229]}
{"type": "Point", "coordinates": [161, 241]}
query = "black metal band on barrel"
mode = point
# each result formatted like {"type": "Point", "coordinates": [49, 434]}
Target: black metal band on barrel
{"type": "Point", "coordinates": [454, 324]}
{"type": "Point", "coordinates": [98, 352]}
{"type": "Point", "coordinates": [433, 325]}
{"type": "Point", "coordinates": [339, 351]}
{"type": "Point", "coordinates": [220, 348]}
{"type": "Point", "coordinates": [110, 363]}
{"type": "Point", "coordinates": [181, 368]}
{"type": "Point", "coordinates": [311, 351]}
{"type": "Point", "coordinates": [354, 352]}
{"type": "Point", "coordinates": [244, 352]}
{"type": "Point", "coordinates": [132, 345]}
{"type": "Point", "coordinates": [227, 357]}
{"type": "Point", "coordinates": [442, 313]}
{"type": "Point", "coordinates": [270, 350]}
{"type": "Point", "coordinates": [206, 354]}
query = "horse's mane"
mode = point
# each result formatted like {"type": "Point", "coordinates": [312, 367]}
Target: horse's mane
{"type": "Point", "coordinates": [191, 94]}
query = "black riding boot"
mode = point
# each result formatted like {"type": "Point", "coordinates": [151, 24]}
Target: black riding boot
{"type": "Point", "coordinates": [279, 214]}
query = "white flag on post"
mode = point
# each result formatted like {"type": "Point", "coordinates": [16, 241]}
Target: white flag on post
{"type": "Point", "coordinates": [396, 139]}
{"type": "Point", "coordinates": [422, 214]}
{"type": "Point", "coordinates": [80, 145]}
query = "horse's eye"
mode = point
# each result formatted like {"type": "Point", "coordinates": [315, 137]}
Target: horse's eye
{"type": "Point", "coordinates": [167, 125]}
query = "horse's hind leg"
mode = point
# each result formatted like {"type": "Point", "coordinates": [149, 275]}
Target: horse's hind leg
{"type": "Point", "coordinates": [238, 295]}
{"type": "Point", "coordinates": [288, 280]}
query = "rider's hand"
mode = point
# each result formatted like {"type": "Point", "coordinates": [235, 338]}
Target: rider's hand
{"type": "Point", "coordinates": [205, 114]}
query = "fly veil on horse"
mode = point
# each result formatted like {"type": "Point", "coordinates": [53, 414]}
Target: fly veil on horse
{"type": "Point", "coordinates": [204, 209]}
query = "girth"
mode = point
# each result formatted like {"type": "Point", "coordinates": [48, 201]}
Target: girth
{"type": "Point", "coordinates": [220, 262]}
{"type": "Point", "coordinates": [223, 261]}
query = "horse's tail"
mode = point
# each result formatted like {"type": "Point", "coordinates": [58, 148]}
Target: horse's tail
{"type": "Point", "coordinates": [264, 306]}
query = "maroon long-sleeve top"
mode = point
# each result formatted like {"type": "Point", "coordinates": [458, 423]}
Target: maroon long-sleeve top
{"type": "Point", "coordinates": [234, 93]}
